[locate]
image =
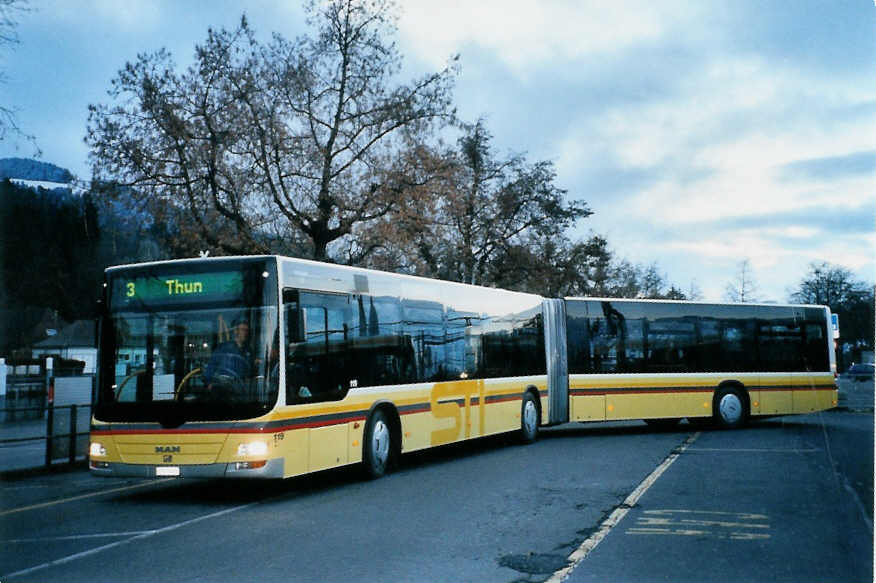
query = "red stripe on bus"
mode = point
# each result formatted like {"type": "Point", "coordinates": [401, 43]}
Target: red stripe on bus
{"type": "Point", "coordinates": [305, 422]}
{"type": "Point", "coordinates": [661, 390]}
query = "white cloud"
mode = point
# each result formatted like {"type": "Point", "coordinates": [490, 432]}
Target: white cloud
{"type": "Point", "coordinates": [133, 15]}
{"type": "Point", "coordinates": [726, 125]}
{"type": "Point", "coordinates": [525, 34]}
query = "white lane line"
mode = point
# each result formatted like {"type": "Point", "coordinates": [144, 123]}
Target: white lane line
{"type": "Point", "coordinates": [75, 537]}
{"type": "Point", "coordinates": [618, 514]}
{"type": "Point", "coordinates": [81, 497]}
{"type": "Point", "coordinates": [145, 534]}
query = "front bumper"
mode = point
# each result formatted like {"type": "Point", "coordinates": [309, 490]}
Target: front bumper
{"type": "Point", "coordinates": [272, 469]}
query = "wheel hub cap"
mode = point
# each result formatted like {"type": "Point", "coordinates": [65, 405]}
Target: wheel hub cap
{"type": "Point", "coordinates": [730, 408]}
{"type": "Point", "coordinates": [530, 417]}
{"type": "Point", "coordinates": [380, 443]}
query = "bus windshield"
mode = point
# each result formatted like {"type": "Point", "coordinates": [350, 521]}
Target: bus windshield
{"type": "Point", "coordinates": [180, 347]}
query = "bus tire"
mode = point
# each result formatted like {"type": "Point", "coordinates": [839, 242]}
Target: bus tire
{"type": "Point", "coordinates": [529, 417]}
{"type": "Point", "coordinates": [377, 445]}
{"type": "Point", "coordinates": [730, 407]}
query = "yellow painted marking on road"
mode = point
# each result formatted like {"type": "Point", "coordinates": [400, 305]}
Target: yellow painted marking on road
{"type": "Point", "coordinates": [724, 524]}
{"type": "Point", "coordinates": [670, 531]}
{"type": "Point", "coordinates": [689, 532]}
{"type": "Point", "coordinates": [740, 515]}
{"type": "Point", "coordinates": [748, 536]}
{"type": "Point", "coordinates": [656, 521]}
{"type": "Point", "coordinates": [753, 450]}
{"type": "Point", "coordinates": [80, 497]}
{"type": "Point", "coordinates": [710, 523]}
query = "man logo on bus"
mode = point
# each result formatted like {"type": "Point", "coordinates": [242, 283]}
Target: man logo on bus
{"type": "Point", "coordinates": [167, 449]}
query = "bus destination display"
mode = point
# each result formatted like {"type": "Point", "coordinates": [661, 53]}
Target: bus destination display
{"type": "Point", "coordinates": [154, 290]}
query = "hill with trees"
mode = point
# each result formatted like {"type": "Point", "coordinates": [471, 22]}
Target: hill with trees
{"type": "Point", "coordinates": [28, 169]}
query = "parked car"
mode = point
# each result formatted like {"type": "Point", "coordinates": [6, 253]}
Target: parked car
{"type": "Point", "coordinates": [859, 372]}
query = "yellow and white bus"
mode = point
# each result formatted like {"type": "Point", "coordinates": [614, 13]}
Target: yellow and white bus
{"type": "Point", "coordinates": [270, 367]}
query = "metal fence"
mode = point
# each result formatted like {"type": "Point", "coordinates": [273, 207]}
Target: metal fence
{"type": "Point", "coordinates": [25, 392]}
{"type": "Point", "coordinates": [67, 428]}
{"type": "Point", "coordinates": [60, 436]}
{"type": "Point", "coordinates": [44, 419]}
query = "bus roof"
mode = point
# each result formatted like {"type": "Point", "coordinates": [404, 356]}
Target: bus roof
{"type": "Point", "coordinates": [698, 302]}
{"type": "Point", "coordinates": [300, 261]}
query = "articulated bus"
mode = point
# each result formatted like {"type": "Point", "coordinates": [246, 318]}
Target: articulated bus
{"type": "Point", "coordinates": [270, 367]}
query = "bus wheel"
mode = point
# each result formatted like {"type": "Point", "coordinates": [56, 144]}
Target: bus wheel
{"type": "Point", "coordinates": [528, 418]}
{"type": "Point", "coordinates": [729, 408]}
{"type": "Point", "coordinates": [377, 445]}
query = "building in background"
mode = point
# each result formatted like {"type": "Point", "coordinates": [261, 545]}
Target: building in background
{"type": "Point", "coordinates": [73, 342]}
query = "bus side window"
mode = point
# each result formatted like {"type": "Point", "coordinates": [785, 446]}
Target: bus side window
{"type": "Point", "coordinates": [608, 334]}
{"type": "Point", "coordinates": [292, 315]}
{"type": "Point", "coordinates": [317, 356]}
{"type": "Point", "coordinates": [814, 356]}
{"type": "Point", "coordinates": [738, 348]}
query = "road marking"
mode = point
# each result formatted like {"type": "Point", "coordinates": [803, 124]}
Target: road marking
{"type": "Point", "coordinates": [618, 514]}
{"type": "Point", "coordinates": [80, 497]}
{"type": "Point", "coordinates": [722, 523]}
{"type": "Point", "coordinates": [740, 515]}
{"type": "Point", "coordinates": [708, 523]}
{"type": "Point", "coordinates": [141, 536]}
{"type": "Point", "coordinates": [733, 535]}
{"type": "Point", "coordinates": [752, 450]}
{"type": "Point", "coordinates": [75, 537]}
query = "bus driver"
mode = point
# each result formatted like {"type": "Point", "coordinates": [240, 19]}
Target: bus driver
{"type": "Point", "coordinates": [231, 360]}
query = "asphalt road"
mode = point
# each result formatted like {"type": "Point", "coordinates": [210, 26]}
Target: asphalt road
{"type": "Point", "coordinates": [788, 499]}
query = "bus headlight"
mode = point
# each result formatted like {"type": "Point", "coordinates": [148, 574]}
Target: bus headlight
{"type": "Point", "coordinates": [254, 448]}
{"type": "Point", "coordinates": [96, 449]}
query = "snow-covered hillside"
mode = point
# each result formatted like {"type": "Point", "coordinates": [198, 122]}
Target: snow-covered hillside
{"type": "Point", "coordinates": [26, 169]}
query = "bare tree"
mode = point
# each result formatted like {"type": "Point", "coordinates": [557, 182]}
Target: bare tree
{"type": "Point", "coordinates": [270, 147]}
{"type": "Point", "coordinates": [829, 285]}
{"type": "Point", "coordinates": [483, 209]}
{"type": "Point", "coordinates": [852, 300]}
{"type": "Point", "coordinates": [743, 288]}
{"type": "Point", "coordinates": [9, 128]}
{"type": "Point", "coordinates": [694, 292]}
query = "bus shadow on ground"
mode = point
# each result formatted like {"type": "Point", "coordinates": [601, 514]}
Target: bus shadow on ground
{"type": "Point", "coordinates": [221, 492]}
{"type": "Point", "coordinates": [224, 492]}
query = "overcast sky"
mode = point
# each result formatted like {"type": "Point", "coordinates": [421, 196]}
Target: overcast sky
{"type": "Point", "coordinates": [700, 133]}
